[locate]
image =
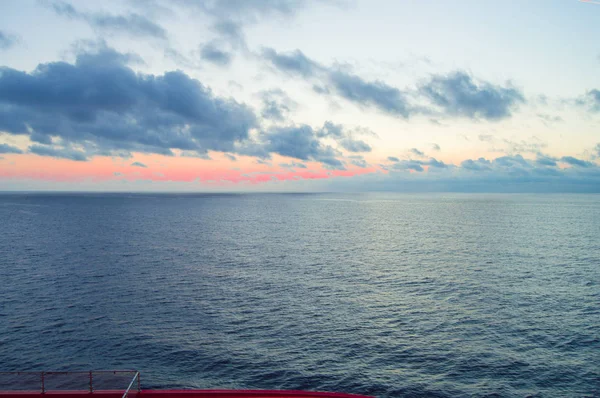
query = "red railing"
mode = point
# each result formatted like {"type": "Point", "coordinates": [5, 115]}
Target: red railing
{"type": "Point", "coordinates": [122, 384]}
{"type": "Point", "coordinates": [90, 381]}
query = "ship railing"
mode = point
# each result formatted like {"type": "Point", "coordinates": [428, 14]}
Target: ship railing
{"type": "Point", "coordinates": [90, 381]}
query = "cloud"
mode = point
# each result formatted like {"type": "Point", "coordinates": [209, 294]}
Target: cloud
{"type": "Point", "coordinates": [181, 59]}
{"type": "Point", "coordinates": [415, 151]}
{"type": "Point", "coordinates": [251, 10]}
{"type": "Point", "coordinates": [576, 162]}
{"type": "Point", "coordinates": [375, 93]}
{"type": "Point", "coordinates": [591, 99]}
{"type": "Point", "coordinates": [293, 165]}
{"type": "Point", "coordinates": [413, 165]}
{"type": "Point", "coordinates": [416, 164]}
{"type": "Point", "coordinates": [104, 105]}
{"type": "Point", "coordinates": [544, 160]}
{"type": "Point", "coordinates": [7, 40]}
{"type": "Point", "coordinates": [516, 174]}
{"type": "Point", "coordinates": [531, 145]}
{"type": "Point", "coordinates": [345, 137]}
{"type": "Point", "coordinates": [352, 145]}
{"type": "Point", "coordinates": [480, 164]}
{"type": "Point", "coordinates": [301, 142]}
{"type": "Point", "coordinates": [454, 95]}
{"type": "Point", "coordinates": [436, 164]}
{"type": "Point", "coordinates": [295, 63]}
{"type": "Point", "coordinates": [535, 145]}
{"type": "Point", "coordinates": [229, 18]}
{"type": "Point", "coordinates": [458, 94]}
{"type": "Point", "coordinates": [435, 147]}
{"type": "Point", "coordinates": [211, 53]}
{"type": "Point", "coordinates": [139, 164]}
{"type": "Point", "coordinates": [230, 32]}
{"type": "Point", "coordinates": [549, 119]}
{"type": "Point", "coordinates": [5, 148]}
{"type": "Point", "coordinates": [276, 104]}
{"type": "Point", "coordinates": [516, 166]}
{"type": "Point", "coordinates": [359, 161]}
{"type": "Point", "coordinates": [350, 87]}
{"type": "Point", "coordinates": [65, 153]}
{"type": "Point", "coordinates": [132, 24]}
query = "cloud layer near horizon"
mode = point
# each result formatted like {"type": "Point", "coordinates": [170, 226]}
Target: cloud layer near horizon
{"type": "Point", "coordinates": [101, 105]}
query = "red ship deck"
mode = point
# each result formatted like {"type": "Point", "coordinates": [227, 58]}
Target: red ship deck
{"type": "Point", "coordinates": [107, 384]}
{"type": "Point", "coordinates": [181, 394]}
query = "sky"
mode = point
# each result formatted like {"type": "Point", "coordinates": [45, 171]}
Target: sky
{"type": "Point", "coordinates": [300, 95]}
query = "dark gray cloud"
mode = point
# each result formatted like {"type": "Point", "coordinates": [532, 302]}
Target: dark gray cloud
{"type": "Point", "coordinates": [458, 94]}
{"type": "Point", "coordinates": [377, 94]}
{"type": "Point", "coordinates": [544, 160]}
{"type": "Point", "coordinates": [350, 87]}
{"type": "Point", "coordinates": [331, 130]}
{"type": "Point", "coordinates": [478, 175]}
{"type": "Point", "coordinates": [5, 148]}
{"type": "Point", "coordinates": [415, 151]}
{"type": "Point", "coordinates": [480, 164]}
{"type": "Point", "coordinates": [435, 147]}
{"type": "Point", "coordinates": [437, 164]}
{"type": "Point", "coordinates": [231, 32]}
{"type": "Point", "coordinates": [542, 174]}
{"type": "Point", "coordinates": [212, 53]}
{"type": "Point", "coordinates": [511, 161]}
{"type": "Point", "coordinates": [132, 24]}
{"type": "Point", "coordinates": [249, 9]}
{"type": "Point", "coordinates": [100, 102]}
{"type": "Point", "coordinates": [416, 164]}
{"type": "Point", "coordinates": [352, 145]}
{"type": "Point", "coordinates": [41, 138]}
{"type": "Point", "coordinates": [413, 165]}
{"type": "Point", "coordinates": [517, 166]}
{"type": "Point", "coordinates": [576, 162]}
{"type": "Point", "coordinates": [55, 152]}
{"type": "Point", "coordinates": [591, 100]}
{"type": "Point", "coordinates": [229, 18]}
{"type": "Point", "coordinates": [295, 63]}
{"type": "Point", "coordinates": [597, 149]}
{"type": "Point", "coordinates": [359, 161]}
{"type": "Point", "coordinates": [293, 165]}
{"type": "Point", "coordinates": [262, 161]}
{"type": "Point", "coordinates": [345, 137]}
{"type": "Point", "coordinates": [301, 142]}
{"type": "Point", "coordinates": [393, 159]}
{"type": "Point", "coordinates": [276, 104]}
{"type": "Point", "coordinates": [7, 40]}
{"type": "Point", "coordinates": [230, 157]}
{"type": "Point", "coordinates": [139, 164]}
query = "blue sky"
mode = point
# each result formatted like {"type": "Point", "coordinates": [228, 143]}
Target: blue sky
{"type": "Point", "coordinates": [299, 95]}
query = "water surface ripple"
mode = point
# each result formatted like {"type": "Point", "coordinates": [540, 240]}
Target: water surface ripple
{"type": "Point", "coordinates": [384, 294]}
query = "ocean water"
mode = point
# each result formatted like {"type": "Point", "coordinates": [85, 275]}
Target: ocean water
{"type": "Point", "coordinates": [392, 295]}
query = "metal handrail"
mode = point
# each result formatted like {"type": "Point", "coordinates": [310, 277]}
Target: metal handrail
{"type": "Point", "coordinates": [135, 377]}
{"type": "Point", "coordinates": [43, 377]}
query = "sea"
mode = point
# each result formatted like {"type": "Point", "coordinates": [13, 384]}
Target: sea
{"type": "Point", "coordinates": [384, 294]}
